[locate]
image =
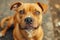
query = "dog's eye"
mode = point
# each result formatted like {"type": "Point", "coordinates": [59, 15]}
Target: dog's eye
{"type": "Point", "coordinates": [37, 12]}
{"type": "Point", "coordinates": [22, 11]}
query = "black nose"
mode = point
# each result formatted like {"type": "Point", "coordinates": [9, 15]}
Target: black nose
{"type": "Point", "coordinates": [28, 20]}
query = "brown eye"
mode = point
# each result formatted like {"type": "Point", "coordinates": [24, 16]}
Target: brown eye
{"type": "Point", "coordinates": [37, 12]}
{"type": "Point", "coordinates": [22, 11]}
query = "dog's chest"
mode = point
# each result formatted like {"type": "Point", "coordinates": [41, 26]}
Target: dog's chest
{"type": "Point", "coordinates": [28, 39]}
{"type": "Point", "coordinates": [28, 36]}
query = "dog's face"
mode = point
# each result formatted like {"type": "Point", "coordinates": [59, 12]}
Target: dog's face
{"type": "Point", "coordinates": [29, 14]}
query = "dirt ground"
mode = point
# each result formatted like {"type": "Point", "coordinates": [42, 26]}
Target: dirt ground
{"type": "Point", "coordinates": [55, 11]}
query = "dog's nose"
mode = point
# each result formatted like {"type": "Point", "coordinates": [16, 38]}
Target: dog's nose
{"type": "Point", "coordinates": [28, 20]}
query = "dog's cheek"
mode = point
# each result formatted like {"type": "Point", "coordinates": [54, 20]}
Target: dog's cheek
{"type": "Point", "coordinates": [40, 19]}
{"type": "Point", "coordinates": [22, 21]}
{"type": "Point", "coordinates": [36, 21]}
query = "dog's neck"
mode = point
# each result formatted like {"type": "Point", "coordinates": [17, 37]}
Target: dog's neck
{"type": "Point", "coordinates": [29, 34]}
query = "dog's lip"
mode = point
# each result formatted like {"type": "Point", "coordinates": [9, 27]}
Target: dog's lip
{"type": "Point", "coordinates": [29, 27]}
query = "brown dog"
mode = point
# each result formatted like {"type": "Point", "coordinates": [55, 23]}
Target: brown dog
{"type": "Point", "coordinates": [27, 21]}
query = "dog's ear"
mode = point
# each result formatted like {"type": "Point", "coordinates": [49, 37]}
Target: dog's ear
{"type": "Point", "coordinates": [15, 5]}
{"type": "Point", "coordinates": [44, 7]}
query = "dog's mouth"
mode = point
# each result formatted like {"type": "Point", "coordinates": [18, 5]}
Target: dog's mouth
{"type": "Point", "coordinates": [28, 27]}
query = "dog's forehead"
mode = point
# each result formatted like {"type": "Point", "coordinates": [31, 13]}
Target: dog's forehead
{"type": "Point", "coordinates": [29, 6]}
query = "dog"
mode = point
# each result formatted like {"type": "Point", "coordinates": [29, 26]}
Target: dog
{"type": "Point", "coordinates": [27, 21]}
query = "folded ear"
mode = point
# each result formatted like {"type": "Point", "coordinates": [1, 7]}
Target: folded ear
{"type": "Point", "coordinates": [44, 7]}
{"type": "Point", "coordinates": [15, 6]}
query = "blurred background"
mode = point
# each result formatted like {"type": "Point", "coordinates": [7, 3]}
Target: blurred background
{"type": "Point", "coordinates": [51, 20]}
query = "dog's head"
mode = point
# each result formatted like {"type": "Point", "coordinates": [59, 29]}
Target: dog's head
{"type": "Point", "coordinates": [29, 14]}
